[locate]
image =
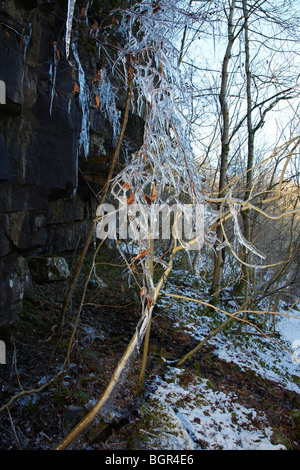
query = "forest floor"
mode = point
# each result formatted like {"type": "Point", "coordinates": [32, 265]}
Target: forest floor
{"type": "Point", "coordinates": [214, 401]}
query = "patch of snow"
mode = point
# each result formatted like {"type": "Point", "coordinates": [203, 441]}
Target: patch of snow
{"type": "Point", "coordinates": [212, 419]}
{"type": "Point", "coordinates": [289, 326]}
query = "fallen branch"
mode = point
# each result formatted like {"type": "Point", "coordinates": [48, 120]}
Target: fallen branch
{"type": "Point", "coordinates": [133, 346]}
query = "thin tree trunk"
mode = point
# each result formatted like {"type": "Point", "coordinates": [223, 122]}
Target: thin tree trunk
{"type": "Point", "coordinates": [250, 159]}
{"type": "Point", "coordinates": [147, 336]}
{"type": "Point", "coordinates": [219, 255]}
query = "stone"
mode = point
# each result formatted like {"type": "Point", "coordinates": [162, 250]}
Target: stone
{"type": "Point", "coordinates": [27, 229]}
{"type": "Point", "coordinates": [72, 416]}
{"type": "Point", "coordinates": [48, 268]}
{"type": "Point", "coordinates": [4, 241]}
{"type": "Point", "coordinates": [23, 271]}
{"type": "Point", "coordinates": [15, 279]}
{"type": "Point", "coordinates": [5, 167]}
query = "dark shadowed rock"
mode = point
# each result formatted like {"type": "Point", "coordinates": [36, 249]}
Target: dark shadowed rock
{"type": "Point", "coordinates": [48, 268]}
{"type": "Point", "coordinates": [47, 187]}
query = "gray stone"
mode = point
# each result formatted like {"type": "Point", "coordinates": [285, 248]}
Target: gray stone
{"type": "Point", "coordinates": [23, 271]}
{"type": "Point", "coordinates": [15, 279]}
{"type": "Point", "coordinates": [72, 416]}
{"type": "Point", "coordinates": [48, 268]}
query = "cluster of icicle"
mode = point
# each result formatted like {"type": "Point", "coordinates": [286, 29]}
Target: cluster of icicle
{"type": "Point", "coordinates": [163, 171]}
{"type": "Point", "coordinates": [88, 89]}
{"type": "Point", "coordinates": [166, 156]}
{"type": "Point", "coordinates": [164, 168]}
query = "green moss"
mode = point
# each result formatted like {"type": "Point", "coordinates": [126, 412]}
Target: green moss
{"type": "Point", "coordinates": [30, 408]}
{"type": "Point", "coordinates": [82, 397]}
{"type": "Point", "coordinates": [279, 438]}
{"type": "Point", "coordinates": [156, 419]}
{"type": "Point", "coordinates": [197, 367]}
{"type": "Point", "coordinates": [295, 417]}
{"type": "Point", "coordinates": [61, 393]}
{"type": "Point", "coordinates": [210, 384]}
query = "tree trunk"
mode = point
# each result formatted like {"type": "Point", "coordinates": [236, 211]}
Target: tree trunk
{"type": "Point", "coordinates": [219, 256]}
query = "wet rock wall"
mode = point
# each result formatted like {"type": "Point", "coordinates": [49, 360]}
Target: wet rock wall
{"type": "Point", "coordinates": [48, 187]}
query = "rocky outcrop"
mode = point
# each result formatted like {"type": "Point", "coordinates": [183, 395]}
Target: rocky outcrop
{"type": "Point", "coordinates": [48, 186]}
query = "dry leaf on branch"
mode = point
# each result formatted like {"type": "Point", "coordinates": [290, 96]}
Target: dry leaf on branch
{"type": "Point", "coordinates": [148, 199]}
{"type": "Point", "coordinates": [97, 101]}
{"type": "Point", "coordinates": [154, 194]}
{"type": "Point", "coordinates": [142, 254]}
{"type": "Point", "coordinates": [143, 291]}
{"type": "Point", "coordinates": [76, 88]}
{"type": "Point", "coordinates": [131, 199]}
{"type": "Point", "coordinates": [98, 76]}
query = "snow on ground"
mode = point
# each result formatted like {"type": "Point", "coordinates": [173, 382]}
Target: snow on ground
{"type": "Point", "coordinates": [197, 416]}
{"type": "Point", "coordinates": [275, 358]}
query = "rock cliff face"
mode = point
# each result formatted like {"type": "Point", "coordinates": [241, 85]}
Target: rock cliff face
{"type": "Point", "coordinates": [48, 186]}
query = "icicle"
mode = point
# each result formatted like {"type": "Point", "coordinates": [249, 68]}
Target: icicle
{"type": "Point", "coordinates": [26, 40]}
{"type": "Point", "coordinates": [53, 76]}
{"type": "Point", "coordinates": [234, 210]}
{"type": "Point", "coordinates": [71, 6]}
{"type": "Point", "coordinates": [84, 141]}
{"type": "Point", "coordinates": [86, 13]}
{"type": "Point", "coordinates": [107, 93]}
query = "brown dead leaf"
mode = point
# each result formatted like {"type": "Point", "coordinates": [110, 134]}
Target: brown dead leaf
{"type": "Point", "coordinates": [142, 254]}
{"type": "Point", "coordinates": [143, 291]}
{"type": "Point", "coordinates": [131, 199]}
{"type": "Point", "coordinates": [76, 88]}
{"type": "Point", "coordinates": [98, 76]}
{"type": "Point", "coordinates": [150, 302]}
{"type": "Point", "coordinates": [94, 26]}
{"type": "Point", "coordinates": [126, 185]}
{"type": "Point", "coordinates": [154, 193]}
{"type": "Point", "coordinates": [148, 199]}
{"type": "Point", "coordinates": [97, 101]}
